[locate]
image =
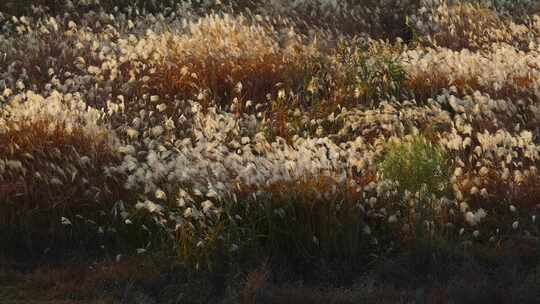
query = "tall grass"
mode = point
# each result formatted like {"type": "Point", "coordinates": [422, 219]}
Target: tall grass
{"type": "Point", "coordinates": [237, 130]}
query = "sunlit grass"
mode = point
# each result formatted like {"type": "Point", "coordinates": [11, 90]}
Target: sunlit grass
{"type": "Point", "coordinates": [308, 133]}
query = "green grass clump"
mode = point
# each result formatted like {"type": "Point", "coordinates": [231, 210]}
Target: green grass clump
{"type": "Point", "coordinates": [416, 164]}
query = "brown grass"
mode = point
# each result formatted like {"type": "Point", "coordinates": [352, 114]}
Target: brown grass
{"type": "Point", "coordinates": [45, 147]}
{"type": "Point", "coordinates": [254, 287]}
{"type": "Point", "coordinates": [428, 84]}
{"type": "Point", "coordinates": [102, 282]}
{"type": "Point", "coordinates": [523, 195]}
{"type": "Point", "coordinates": [220, 52]}
{"type": "Point", "coordinates": [474, 27]}
{"type": "Point", "coordinates": [32, 205]}
{"type": "Point", "coordinates": [292, 294]}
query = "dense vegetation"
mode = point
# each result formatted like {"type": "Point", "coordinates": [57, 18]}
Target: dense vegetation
{"type": "Point", "coordinates": [270, 151]}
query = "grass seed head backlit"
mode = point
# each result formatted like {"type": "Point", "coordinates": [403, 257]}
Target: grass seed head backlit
{"type": "Point", "coordinates": [195, 126]}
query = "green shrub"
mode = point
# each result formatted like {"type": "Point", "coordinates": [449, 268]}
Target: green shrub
{"type": "Point", "coordinates": [416, 164]}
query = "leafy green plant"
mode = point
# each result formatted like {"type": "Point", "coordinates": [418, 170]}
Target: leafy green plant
{"type": "Point", "coordinates": [416, 164]}
{"type": "Point", "coordinates": [419, 168]}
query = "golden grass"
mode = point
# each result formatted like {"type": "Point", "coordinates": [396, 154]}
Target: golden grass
{"type": "Point", "coordinates": [502, 192]}
{"type": "Point", "coordinates": [61, 174]}
{"type": "Point", "coordinates": [431, 83]}
{"type": "Point", "coordinates": [228, 57]}
{"type": "Point", "coordinates": [474, 27]}
{"type": "Point", "coordinates": [228, 60]}
{"type": "Point", "coordinates": [36, 147]}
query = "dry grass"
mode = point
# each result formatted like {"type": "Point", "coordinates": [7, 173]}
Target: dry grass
{"type": "Point", "coordinates": [82, 282]}
{"type": "Point", "coordinates": [32, 146]}
{"type": "Point", "coordinates": [251, 130]}
{"type": "Point", "coordinates": [229, 58]}
{"type": "Point", "coordinates": [288, 221]}
{"type": "Point", "coordinates": [471, 26]}
{"type": "Point", "coordinates": [55, 168]}
{"type": "Point", "coordinates": [425, 85]}
{"type": "Point", "coordinates": [255, 285]}
{"type": "Point", "coordinates": [297, 295]}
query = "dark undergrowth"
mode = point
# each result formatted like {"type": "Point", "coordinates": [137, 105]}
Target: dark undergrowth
{"type": "Point", "coordinates": [427, 273]}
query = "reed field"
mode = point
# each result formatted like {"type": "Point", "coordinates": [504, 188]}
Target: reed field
{"type": "Point", "coordinates": [253, 151]}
